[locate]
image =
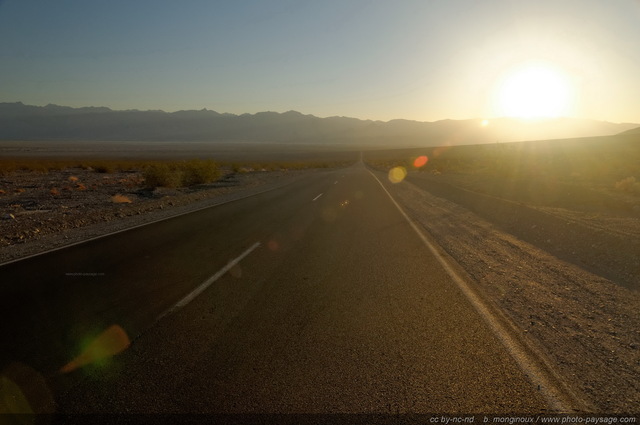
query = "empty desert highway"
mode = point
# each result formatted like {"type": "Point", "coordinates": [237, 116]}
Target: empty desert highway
{"type": "Point", "coordinates": [333, 304]}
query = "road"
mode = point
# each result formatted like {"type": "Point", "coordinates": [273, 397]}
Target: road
{"type": "Point", "coordinates": [333, 304]}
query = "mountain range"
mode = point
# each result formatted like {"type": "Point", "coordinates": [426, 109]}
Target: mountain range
{"type": "Point", "coordinates": [53, 122]}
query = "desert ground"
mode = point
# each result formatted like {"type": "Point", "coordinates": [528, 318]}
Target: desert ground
{"type": "Point", "coordinates": [548, 231]}
{"type": "Point", "coordinates": [54, 194]}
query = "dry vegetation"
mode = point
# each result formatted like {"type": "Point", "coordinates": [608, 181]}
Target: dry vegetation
{"type": "Point", "coordinates": [180, 174]}
{"type": "Point", "coordinates": [10, 166]}
{"type": "Point", "coordinates": [577, 198]}
{"type": "Point", "coordinates": [41, 197]}
{"type": "Point", "coordinates": [597, 160]}
{"type": "Point", "coordinates": [549, 233]}
{"type": "Point", "coordinates": [487, 205]}
{"type": "Point", "coordinates": [159, 173]}
{"type": "Point", "coordinates": [595, 175]}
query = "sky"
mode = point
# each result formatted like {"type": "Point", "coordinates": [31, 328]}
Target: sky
{"type": "Point", "coordinates": [403, 59]}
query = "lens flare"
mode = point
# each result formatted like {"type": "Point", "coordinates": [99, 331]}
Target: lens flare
{"type": "Point", "coordinates": [23, 391]}
{"type": "Point", "coordinates": [397, 174]}
{"type": "Point", "coordinates": [439, 151]}
{"type": "Point", "coordinates": [13, 400]}
{"type": "Point", "coordinates": [112, 341]}
{"type": "Point", "coordinates": [420, 161]}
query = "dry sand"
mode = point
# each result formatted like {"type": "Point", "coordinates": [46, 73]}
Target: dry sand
{"type": "Point", "coordinates": [565, 273]}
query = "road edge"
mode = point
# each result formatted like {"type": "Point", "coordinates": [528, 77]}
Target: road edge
{"type": "Point", "coordinates": [531, 361]}
{"type": "Point", "coordinates": [168, 217]}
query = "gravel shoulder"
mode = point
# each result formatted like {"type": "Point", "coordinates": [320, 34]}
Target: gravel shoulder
{"type": "Point", "coordinates": [594, 231]}
{"type": "Point", "coordinates": [567, 278]}
{"type": "Point", "coordinates": [40, 212]}
{"type": "Point", "coordinates": [587, 324]}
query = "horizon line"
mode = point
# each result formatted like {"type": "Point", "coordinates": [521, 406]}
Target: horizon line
{"type": "Point", "coordinates": [205, 109]}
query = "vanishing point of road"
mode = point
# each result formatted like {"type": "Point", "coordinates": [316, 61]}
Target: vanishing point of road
{"type": "Point", "coordinates": [316, 297]}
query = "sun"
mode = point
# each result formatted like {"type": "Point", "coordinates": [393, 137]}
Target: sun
{"type": "Point", "coordinates": [535, 91]}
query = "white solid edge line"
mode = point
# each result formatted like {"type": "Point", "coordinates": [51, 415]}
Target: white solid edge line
{"type": "Point", "coordinates": [518, 353]}
{"type": "Point", "coordinates": [314, 199]}
{"type": "Point", "coordinates": [204, 285]}
{"type": "Point", "coordinates": [145, 224]}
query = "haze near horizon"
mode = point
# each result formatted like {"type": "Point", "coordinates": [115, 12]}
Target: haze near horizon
{"type": "Point", "coordinates": [415, 60]}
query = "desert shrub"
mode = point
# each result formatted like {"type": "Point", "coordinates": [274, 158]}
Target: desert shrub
{"type": "Point", "coordinates": [34, 166]}
{"type": "Point", "coordinates": [199, 172]}
{"type": "Point", "coordinates": [161, 175]}
{"type": "Point", "coordinates": [181, 174]}
{"type": "Point", "coordinates": [104, 167]}
{"type": "Point", "coordinates": [628, 185]}
{"type": "Point", "coordinates": [7, 167]}
{"type": "Point", "coordinates": [55, 165]}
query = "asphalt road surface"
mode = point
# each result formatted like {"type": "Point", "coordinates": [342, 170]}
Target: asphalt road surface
{"type": "Point", "coordinates": [312, 298]}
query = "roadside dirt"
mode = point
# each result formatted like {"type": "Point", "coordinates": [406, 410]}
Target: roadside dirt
{"type": "Point", "coordinates": [567, 277]}
{"type": "Point", "coordinates": [40, 211]}
{"type": "Point", "coordinates": [568, 280]}
{"type": "Point", "coordinates": [598, 231]}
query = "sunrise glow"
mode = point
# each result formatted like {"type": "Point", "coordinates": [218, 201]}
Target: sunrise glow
{"type": "Point", "coordinates": [534, 91]}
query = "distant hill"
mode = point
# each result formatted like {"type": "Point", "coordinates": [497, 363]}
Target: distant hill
{"type": "Point", "coordinates": [632, 131]}
{"type": "Point", "coordinates": [53, 122]}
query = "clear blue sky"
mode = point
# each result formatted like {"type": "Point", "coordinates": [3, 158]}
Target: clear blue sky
{"type": "Point", "coordinates": [413, 59]}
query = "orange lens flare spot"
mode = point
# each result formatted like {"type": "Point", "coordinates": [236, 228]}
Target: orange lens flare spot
{"type": "Point", "coordinates": [112, 341]}
{"type": "Point", "coordinates": [397, 174]}
{"type": "Point", "coordinates": [420, 161]}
